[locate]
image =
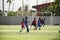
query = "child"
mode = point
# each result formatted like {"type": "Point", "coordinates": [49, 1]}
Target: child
{"type": "Point", "coordinates": [22, 25]}
{"type": "Point", "coordinates": [43, 22]}
{"type": "Point", "coordinates": [34, 23]}
{"type": "Point", "coordinates": [26, 24]}
{"type": "Point", "coordinates": [39, 23]}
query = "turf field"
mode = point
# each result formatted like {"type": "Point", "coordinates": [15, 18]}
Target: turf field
{"type": "Point", "coordinates": [11, 32]}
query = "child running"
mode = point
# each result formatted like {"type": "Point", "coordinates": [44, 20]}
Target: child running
{"type": "Point", "coordinates": [39, 23]}
{"type": "Point", "coordinates": [34, 23]}
{"type": "Point", "coordinates": [43, 22]}
{"type": "Point", "coordinates": [22, 25]}
{"type": "Point", "coordinates": [26, 24]}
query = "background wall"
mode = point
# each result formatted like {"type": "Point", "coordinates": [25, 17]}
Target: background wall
{"type": "Point", "coordinates": [16, 20]}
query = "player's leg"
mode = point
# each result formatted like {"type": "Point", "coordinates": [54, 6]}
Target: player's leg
{"type": "Point", "coordinates": [21, 29]}
{"type": "Point", "coordinates": [39, 27]}
{"type": "Point", "coordinates": [35, 27]}
{"type": "Point", "coordinates": [27, 28]}
{"type": "Point", "coordinates": [43, 24]}
{"type": "Point", "coordinates": [31, 25]}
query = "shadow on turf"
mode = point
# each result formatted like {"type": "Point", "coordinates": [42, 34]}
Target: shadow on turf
{"type": "Point", "coordinates": [56, 38]}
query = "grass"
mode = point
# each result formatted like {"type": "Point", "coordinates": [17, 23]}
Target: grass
{"type": "Point", "coordinates": [11, 32]}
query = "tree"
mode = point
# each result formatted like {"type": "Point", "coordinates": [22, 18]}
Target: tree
{"type": "Point", "coordinates": [3, 6]}
{"type": "Point", "coordinates": [9, 1]}
{"type": "Point", "coordinates": [19, 9]}
{"type": "Point", "coordinates": [26, 10]}
{"type": "Point", "coordinates": [55, 7]}
{"type": "Point", "coordinates": [26, 7]}
{"type": "Point", "coordinates": [19, 12]}
{"type": "Point", "coordinates": [11, 13]}
{"type": "Point", "coordinates": [1, 12]}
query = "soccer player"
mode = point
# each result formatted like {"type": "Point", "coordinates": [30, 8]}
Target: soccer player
{"type": "Point", "coordinates": [34, 23]}
{"type": "Point", "coordinates": [22, 25]}
{"type": "Point", "coordinates": [26, 23]}
{"type": "Point", "coordinates": [39, 23]}
{"type": "Point", "coordinates": [43, 22]}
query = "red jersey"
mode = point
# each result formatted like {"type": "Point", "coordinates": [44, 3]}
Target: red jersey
{"type": "Point", "coordinates": [34, 22]}
{"type": "Point", "coordinates": [22, 23]}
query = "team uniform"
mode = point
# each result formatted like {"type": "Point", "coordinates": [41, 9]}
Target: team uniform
{"type": "Point", "coordinates": [26, 24]}
{"type": "Point", "coordinates": [34, 24]}
{"type": "Point", "coordinates": [22, 26]}
{"type": "Point", "coordinates": [39, 24]}
{"type": "Point", "coordinates": [42, 22]}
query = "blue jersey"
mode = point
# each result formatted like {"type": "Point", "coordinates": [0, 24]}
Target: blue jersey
{"type": "Point", "coordinates": [39, 23]}
{"type": "Point", "coordinates": [26, 22]}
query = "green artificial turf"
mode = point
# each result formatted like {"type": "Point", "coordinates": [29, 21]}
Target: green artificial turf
{"type": "Point", "coordinates": [11, 32]}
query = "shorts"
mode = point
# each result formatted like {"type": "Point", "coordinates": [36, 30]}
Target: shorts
{"type": "Point", "coordinates": [23, 27]}
{"type": "Point", "coordinates": [33, 24]}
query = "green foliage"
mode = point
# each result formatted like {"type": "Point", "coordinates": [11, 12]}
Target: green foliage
{"type": "Point", "coordinates": [9, 1]}
{"type": "Point", "coordinates": [56, 3]}
{"type": "Point", "coordinates": [1, 12]}
{"type": "Point", "coordinates": [20, 8]}
{"type": "Point", "coordinates": [26, 8]}
{"type": "Point", "coordinates": [54, 8]}
{"type": "Point", "coordinates": [58, 11]}
{"type": "Point", "coordinates": [11, 13]}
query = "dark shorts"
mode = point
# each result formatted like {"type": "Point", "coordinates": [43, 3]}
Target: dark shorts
{"type": "Point", "coordinates": [43, 23]}
{"type": "Point", "coordinates": [23, 27]}
{"type": "Point", "coordinates": [33, 25]}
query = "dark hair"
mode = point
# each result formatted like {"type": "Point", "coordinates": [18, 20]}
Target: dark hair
{"type": "Point", "coordinates": [23, 19]}
{"type": "Point", "coordinates": [26, 17]}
